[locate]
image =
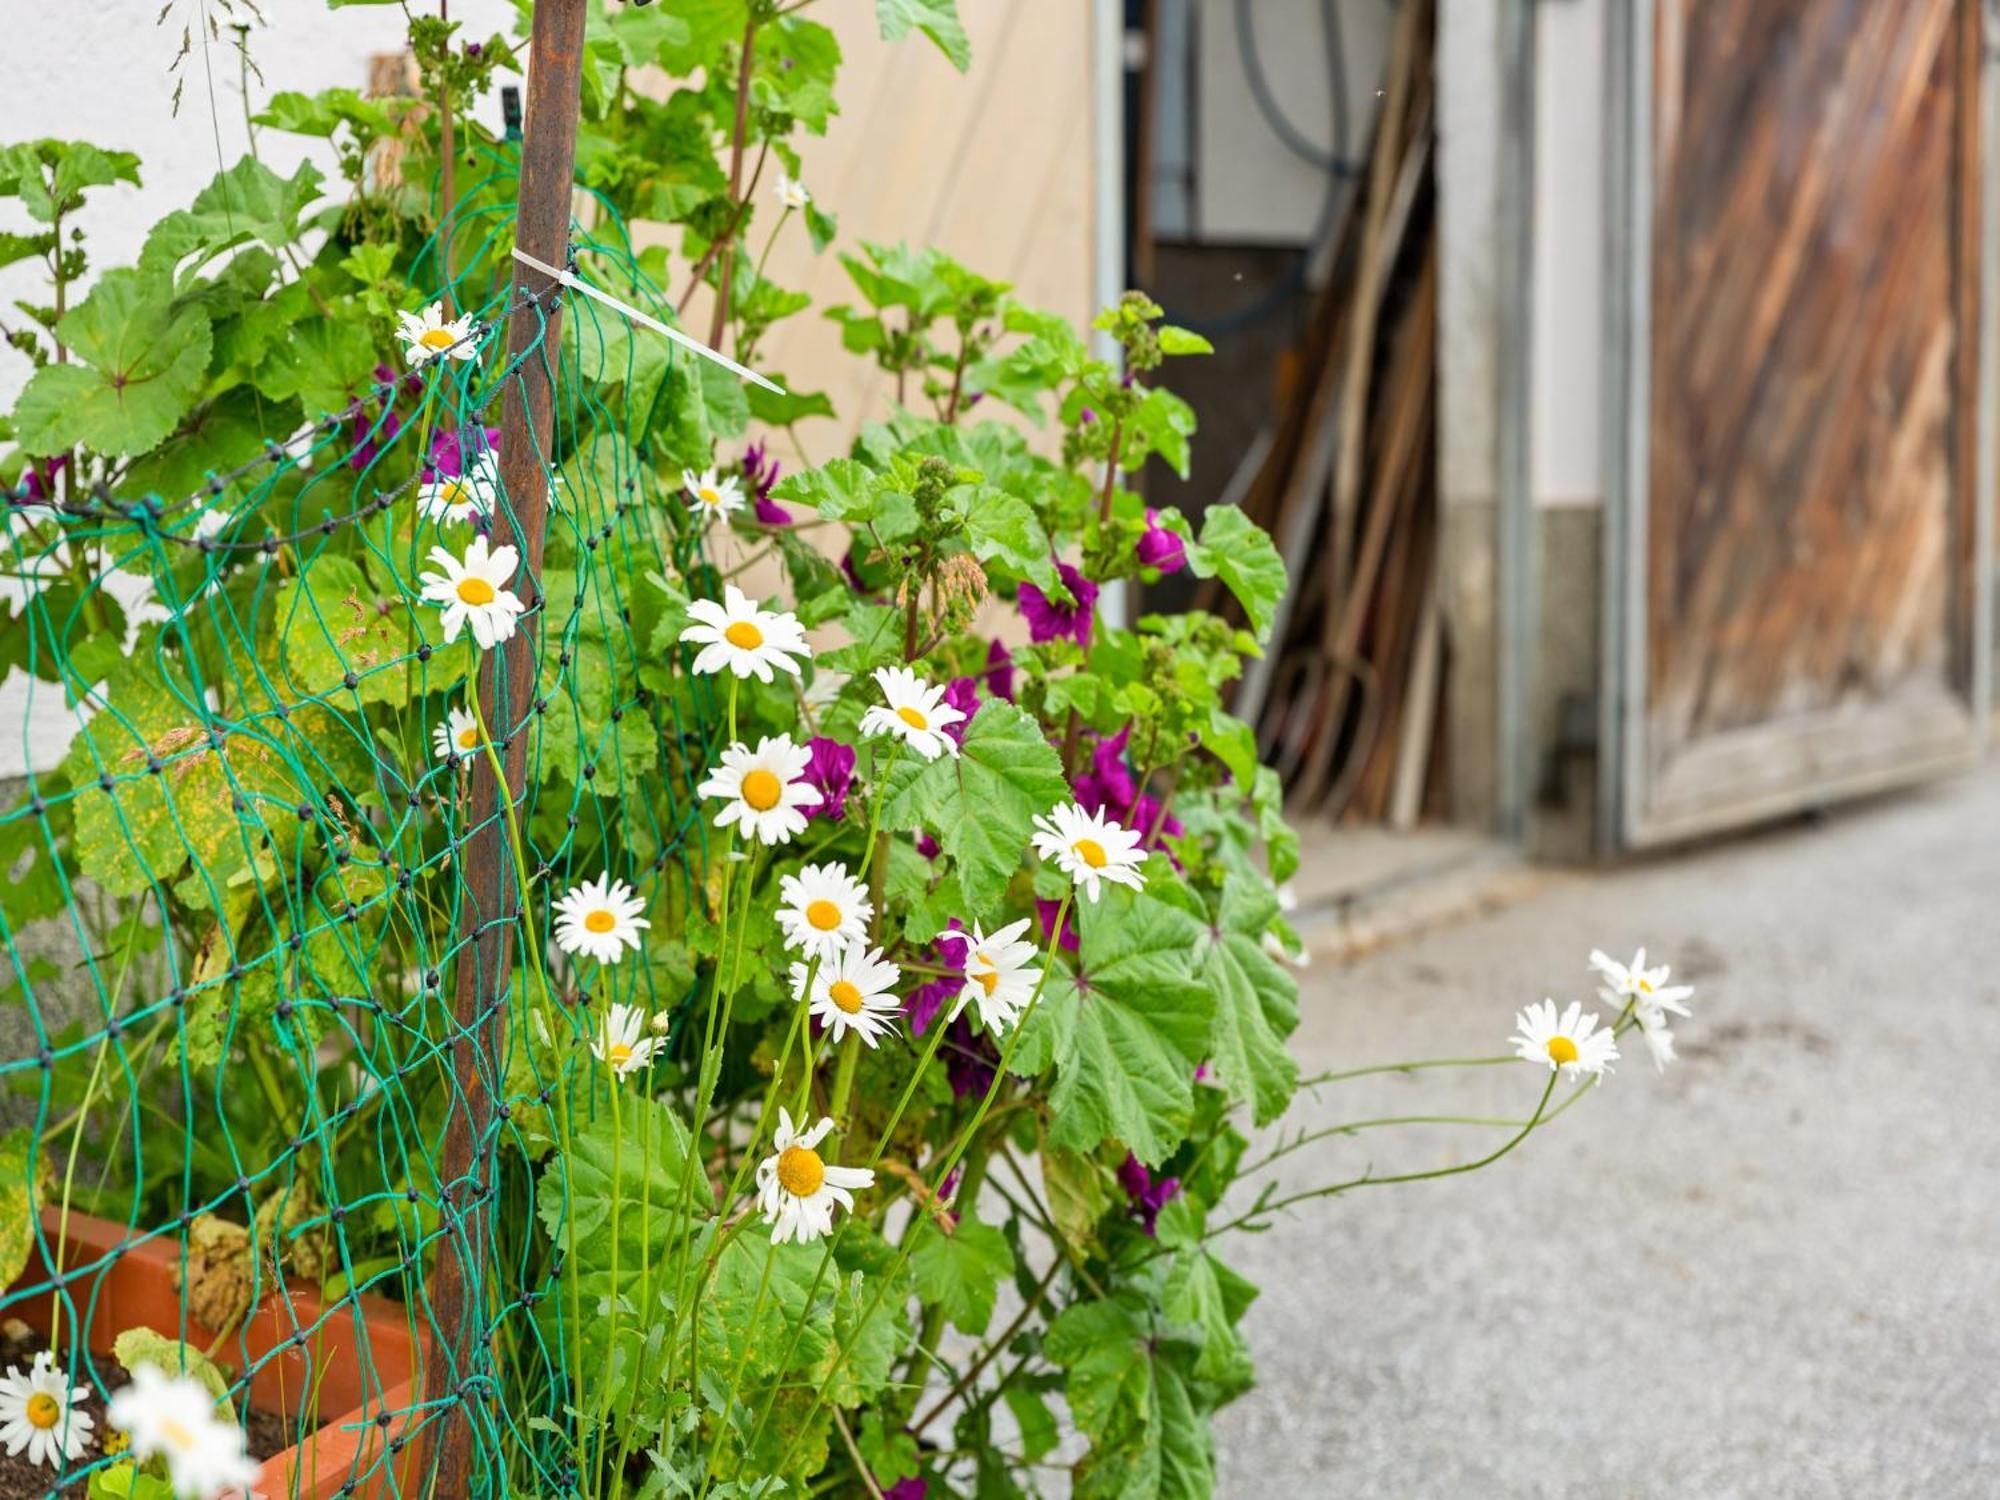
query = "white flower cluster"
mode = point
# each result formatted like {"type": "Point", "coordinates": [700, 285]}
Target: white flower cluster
{"type": "Point", "coordinates": [1574, 1041]}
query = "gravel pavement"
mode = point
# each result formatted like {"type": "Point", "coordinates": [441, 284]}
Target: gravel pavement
{"type": "Point", "coordinates": [1773, 1272]}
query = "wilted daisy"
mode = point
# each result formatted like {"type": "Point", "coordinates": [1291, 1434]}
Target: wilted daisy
{"type": "Point", "coordinates": [797, 1190]}
{"type": "Point", "coordinates": [1000, 974]}
{"type": "Point", "coordinates": [600, 919]}
{"type": "Point", "coordinates": [457, 735]}
{"type": "Point", "coordinates": [760, 789]}
{"type": "Point", "coordinates": [1659, 1039]}
{"type": "Point", "coordinates": [621, 1042]}
{"type": "Point", "coordinates": [825, 908]}
{"type": "Point", "coordinates": [174, 1417]}
{"type": "Point", "coordinates": [38, 1412]}
{"type": "Point", "coordinates": [1645, 989]}
{"type": "Point", "coordinates": [915, 713]}
{"type": "Point", "coordinates": [739, 636]}
{"type": "Point", "coordinates": [461, 496]}
{"type": "Point", "coordinates": [1089, 848]}
{"type": "Point", "coordinates": [791, 192]}
{"type": "Point", "coordinates": [1572, 1042]}
{"type": "Point", "coordinates": [713, 497]}
{"type": "Point", "coordinates": [473, 592]}
{"type": "Point", "coordinates": [429, 333]}
{"type": "Point", "coordinates": [852, 991]}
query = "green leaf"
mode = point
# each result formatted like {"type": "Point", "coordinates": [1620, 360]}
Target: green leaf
{"type": "Point", "coordinates": [1256, 1001]}
{"type": "Point", "coordinates": [324, 362]}
{"type": "Point", "coordinates": [1004, 529]}
{"type": "Point", "coordinates": [1129, 1393]}
{"type": "Point", "coordinates": [1162, 424]}
{"type": "Point", "coordinates": [1128, 1034]}
{"type": "Point", "coordinates": [18, 1176]}
{"type": "Point", "coordinates": [960, 1273]}
{"type": "Point", "coordinates": [142, 361]}
{"type": "Point", "coordinates": [936, 19]}
{"type": "Point", "coordinates": [145, 1346]}
{"type": "Point", "coordinates": [332, 622]}
{"type": "Point", "coordinates": [981, 803]}
{"type": "Point", "coordinates": [50, 176]}
{"type": "Point", "coordinates": [1237, 550]}
{"type": "Point", "coordinates": [1183, 341]}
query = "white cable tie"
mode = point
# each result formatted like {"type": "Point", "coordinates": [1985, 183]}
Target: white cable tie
{"type": "Point", "coordinates": [692, 345]}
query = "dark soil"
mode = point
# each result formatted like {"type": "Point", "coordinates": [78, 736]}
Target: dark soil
{"type": "Point", "coordinates": [20, 1480]}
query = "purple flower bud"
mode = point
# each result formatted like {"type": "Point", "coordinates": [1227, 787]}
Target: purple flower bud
{"type": "Point", "coordinates": [1050, 622]}
{"type": "Point", "coordinates": [1145, 1197]}
{"type": "Point", "coordinates": [1161, 548]}
{"type": "Point", "coordinates": [961, 693]}
{"type": "Point", "coordinates": [1085, 417]}
{"type": "Point", "coordinates": [830, 771]}
{"type": "Point", "coordinates": [1000, 671]}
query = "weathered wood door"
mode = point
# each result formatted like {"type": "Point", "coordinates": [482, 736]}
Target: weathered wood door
{"type": "Point", "coordinates": [1804, 469]}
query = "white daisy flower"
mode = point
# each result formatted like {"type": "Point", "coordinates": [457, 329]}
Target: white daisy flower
{"type": "Point", "coordinates": [761, 791]}
{"type": "Point", "coordinates": [457, 735]}
{"type": "Point", "coordinates": [1000, 974]}
{"type": "Point", "coordinates": [713, 497]}
{"type": "Point", "coordinates": [852, 991]}
{"type": "Point", "coordinates": [1572, 1042]}
{"type": "Point", "coordinates": [1659, 1039]}
{"type": "Point", "coordinates": [736, 634]}
{"type": "Point", "coordinates": [915, 712]}
{"type": "Point", "coordinates": [428, 334]}
{"type": "Point", "coordinates": [621, 1042]}
{"type": "Point", "coordinates": [600, 919]}
{"type": "Point", "coordinates": [1646, 989]}
{"type": "Point", "coordinates": [473, 592]}
{"type": "Point", "coordinates": [1089, 848]}
{"type": "Point", "coordinates": [461, 496]}
{"type": "Point", "coordinates": [174, 1416]}
{"type": "Point", "coordinates": [797, 1189]}
{"type": "Point", "coordinates": [38, 1412]}
{"type": "Point", "coordinates": [825, 908]}
{"type": "Point", "coordinates": [792, 193]}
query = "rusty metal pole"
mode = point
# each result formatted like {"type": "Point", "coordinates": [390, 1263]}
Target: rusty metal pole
{"type": "Point", "coordinates": [489, 904]}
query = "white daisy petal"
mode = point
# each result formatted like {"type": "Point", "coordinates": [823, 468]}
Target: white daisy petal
{"type": "Point", "coordinates": [739, 637]}
{"type": "Point", "coordinates": [1572, 1041]}
{"type": "Point", "coordinates": [457, 735]}
{"type": "Point", "coordinates": [39, 1414]}
{"type": "Point", "coordinates": [1090, 849]}
{"type": "Point", "coordinates": [915, 712]}
{"type": "Point", "coordinates": [712, 496]}
{"type": "Point", "coordinates": [855, 990]}
{"type": "Point", "coordinates": [462, 496]}
{"type": "Point", "coordinates": [174, 1417]}
{"type": "Point", "coordinates": [791, 192]}
{"type": "Point", "coordinates": [797, 1189]}
{"type": "Point", "coordinates": [472, 591]}
{"type": "Point", "coordinates": [760, 789]}
{"type": "Point", "coordinates": [1000, 975]}
{"type": "Point", "coordinates": [600, 919]}
{"type": "Point", "coordinates": [430, 334]}
{"type": "Point", "coordinates": [621, 1043]}
{"type": "Point", "coordinates": [824, 909]}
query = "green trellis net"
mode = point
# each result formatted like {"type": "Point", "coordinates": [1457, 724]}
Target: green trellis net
{"type": "Point", "coordinates": [238, 904]}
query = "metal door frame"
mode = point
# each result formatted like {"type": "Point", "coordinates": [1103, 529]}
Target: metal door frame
{"type": "Point", "coordinates": [1625, 818]}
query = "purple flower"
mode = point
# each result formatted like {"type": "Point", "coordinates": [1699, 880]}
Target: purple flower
{"type": "Point", "coordinates": [1161, 548]}
{"type": "Point", "coordinates": [449, 450]}
{"type": "Point", "coordinates": [831, 771]}
{"type": "Point", "coordinates": [923, 1003]}
{"type": "Point", "coordinates": [971, 1061]}
{"type": "Point", "coordinates": [1108, 787]}
{"type": "Point", "coordinates": [1051, 622]}
{"type": "Point", "coordinates": [760, 472]}
{"type": "Point", "coordinates": [927, 846]}
{"type": "Point", "coordinates": [1000, 671]}
{"type": "Point", "coordinates": [913, 1488]}
{"type": "Point", "coordinates": [369, 435]}
{"type": "Point", "coordinates": [1046, 910]}
{"type": "Point", "coordinates": [1145, 1196]}
{"type": "Point", "coordinates": [961, 693]}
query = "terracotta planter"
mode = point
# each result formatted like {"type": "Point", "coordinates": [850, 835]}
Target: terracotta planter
{"type": "Point", "coordinates": [117, 1283]}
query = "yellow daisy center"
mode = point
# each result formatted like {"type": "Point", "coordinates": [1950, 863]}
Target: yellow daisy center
{"type": "Point", "coordinates": [437, 339]}
{"type": "Point", "coordinates": [913, 717]}
{"type": "Point", "coordinates": [475, 591]}
{"type": "Point", "coordinates": [456, 492]}
{"type": "Point", "coordinates": [1645, 985]}
{"type": "Point", "coordinates": [800, 1171]}
{"type": "Point", "coordinates": [43, 1410]}
{"type": "Point", "coordinates": [823, 914]}
{"type": "Point", "coordinates": [846, 994]}
{"type": "Point", "coordinates": [1562, 1049]}
{"type": "Point", "coordinates": [989, 982]}
{"type": "Point", "coordinates": [744, 636]}
{"type": "Point", "coordinates": [618, 1054]}
{"type": "Point", "coordinates": [176, 1434]}
{"type": "Point", "coordinates": [708, 496]}
{"type": "Point", "coordinates": [762, 790]}
{"type": "Point", "coordinates": [599, 921]}
{"type": "Point", "coordinates": [1092, 853]}
{"type": "Point", "coordinates": [468, 739]}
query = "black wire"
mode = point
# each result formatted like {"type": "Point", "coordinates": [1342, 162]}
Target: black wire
{"type": "Point", "coordinates": [1338, 171]}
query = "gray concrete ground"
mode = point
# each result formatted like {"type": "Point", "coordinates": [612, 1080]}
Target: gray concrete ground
{"type": "Point", "coordinates": [1773, 1272]}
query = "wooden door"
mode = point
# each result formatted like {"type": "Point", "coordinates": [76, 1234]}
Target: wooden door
{"type": "Point", "coordinates": [1803, 584]}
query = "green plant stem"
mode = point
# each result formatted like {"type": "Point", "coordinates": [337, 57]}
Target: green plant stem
{"type": "Point", "coordinates": [843, 1077]}
{"type": "Point", "coordinates": [991, 1351]}
{"type": "Point", "coordinates": [1407, 1067]}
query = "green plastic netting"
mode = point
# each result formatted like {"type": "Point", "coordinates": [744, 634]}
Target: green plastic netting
{"type": "Point", "coordinates": [238, 906]}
